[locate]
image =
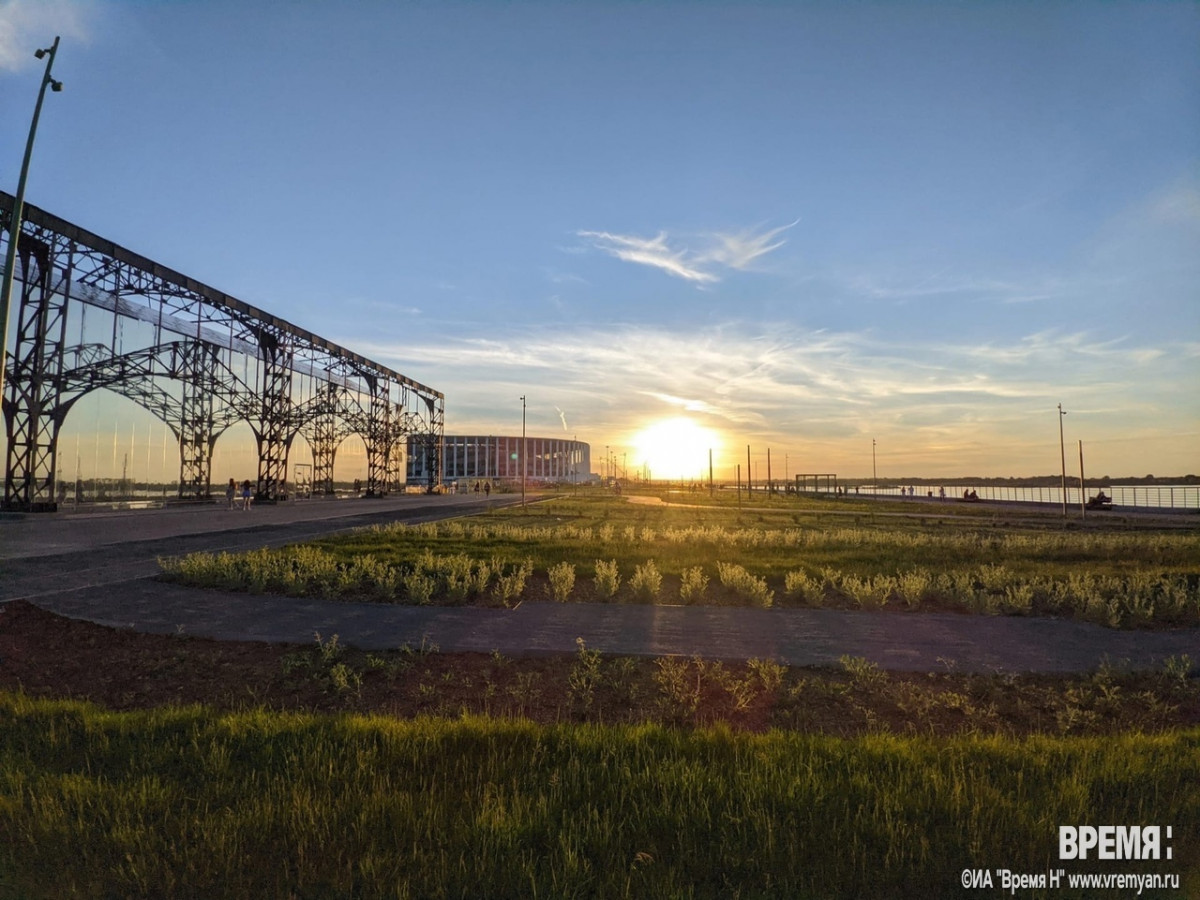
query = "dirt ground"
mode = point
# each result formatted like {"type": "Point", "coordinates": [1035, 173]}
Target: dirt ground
{"type": "Point", "coordinates": [46, 655]}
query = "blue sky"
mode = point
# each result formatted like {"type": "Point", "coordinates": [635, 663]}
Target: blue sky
{"type": "Point", "coordinates": [802, 225]}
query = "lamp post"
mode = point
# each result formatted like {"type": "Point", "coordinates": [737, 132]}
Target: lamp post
{"type": "Point", "coordinates": [14, 223]}
{"type": "Point", "coordinates": [1063, 452]}
{"type": "Point", "coordinates": [524, 464]}
{"type": "Point", "coordinates": [874, 477]}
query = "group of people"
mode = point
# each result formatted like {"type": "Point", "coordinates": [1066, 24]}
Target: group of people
{"type": "Point", "coordinates": [232, 494]}
{"type": "Point", "coordinates": [485, 486]}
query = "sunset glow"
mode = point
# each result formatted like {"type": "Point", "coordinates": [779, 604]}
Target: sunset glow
{"type": "Point", "coordinates": [674, 448]}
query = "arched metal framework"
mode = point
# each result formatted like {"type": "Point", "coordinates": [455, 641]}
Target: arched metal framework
{"type": "Point", "coordinates": [198, 359]}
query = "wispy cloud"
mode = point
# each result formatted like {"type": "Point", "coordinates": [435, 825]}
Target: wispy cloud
{"type": "Point", "coordinates": [738, 251]}
{"type": "Point", "coordinates": [716, 251]}
{"type": "Point", "coordinates": [1178, 203]}
{"type": "Point", "coordinates": [26, 25]}
{"type": "Point", "coordinates": [555, 276]}
{"type": "Point", "coordinates": [690, 405]}
{"type": "Point", "coordinates": [945, 283]}
{"type": "Point", "coordinates": [384, 306]}
{"type": "Point", "coordinates": [653, 252]}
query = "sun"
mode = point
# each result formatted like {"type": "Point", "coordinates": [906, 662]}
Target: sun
{"type": "Point", "coordinates": [674, 448]}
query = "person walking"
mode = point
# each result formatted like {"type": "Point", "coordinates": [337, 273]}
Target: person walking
{"type": "Point", "coordinates": [246, 495]}
{"type": "Point", "coordinates": [231, 492]}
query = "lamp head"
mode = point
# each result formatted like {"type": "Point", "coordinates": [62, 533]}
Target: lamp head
{"type": "Point", "coordinates": [55, 86]}
{"type": "Point", "coordinates": [39, 53]}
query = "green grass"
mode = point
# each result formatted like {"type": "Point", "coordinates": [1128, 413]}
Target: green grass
{"type": "Point", "coordinates": [187, 802]}
{"type": "Point", "coordinates": [797, 554]}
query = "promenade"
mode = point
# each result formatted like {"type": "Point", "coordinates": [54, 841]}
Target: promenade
{"type": "Point", "coordinates": [102, 566]}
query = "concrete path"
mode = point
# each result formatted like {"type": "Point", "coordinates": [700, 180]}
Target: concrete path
{"type": "Point", "coordinates": [101, 569]}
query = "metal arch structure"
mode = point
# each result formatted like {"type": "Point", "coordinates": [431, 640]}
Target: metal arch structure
{"type": "Point", "coordinates": [205, 361]}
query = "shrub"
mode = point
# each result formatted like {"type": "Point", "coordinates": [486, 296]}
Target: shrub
{"type": "Point", "coordinates": [863, 673]}
{"type": "Point", "coordinates": [693, 583]}
{"type": "Point", "coordinates": [647, 580]}
{"type": "Point", "coordinates": [512, 584]}
{"type": "Point", "coordinates": [769, 672]}
{"type": "Point", "coordinates": [800, 585]}
{"type": "Point", "coordinates": [1018, 599]}
{"type": "Point", "coordinates": [745, 585]}
{"type": "Point", "coordinates": [608, 579]}
{"type": "Point", "coordinates": [868, 593]}
{"type": "Point", "coordinates": [914, 587]}
{"type": "Point", "coordinates": [679, 691]}
{"type": "Point", "coordinates": [418, 586]}
{"type": "Point", "coordinates": [583, 678]}
{"type": "Point", "coordinates": [562, 581]}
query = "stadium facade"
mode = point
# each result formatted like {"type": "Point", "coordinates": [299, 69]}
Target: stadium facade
{"type": "Point", "coordinates": [489, 457]}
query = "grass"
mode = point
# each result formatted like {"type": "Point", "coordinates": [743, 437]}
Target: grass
{"type": "Point", "coordinates": [781, 555]}
{"type": "Point", "coordinates": [188, 802]}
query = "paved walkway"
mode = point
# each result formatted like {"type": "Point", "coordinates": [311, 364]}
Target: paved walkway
{"type": "Point", "coordinates": [101, 568]}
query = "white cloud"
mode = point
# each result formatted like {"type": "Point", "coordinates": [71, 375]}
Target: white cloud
{"type": "Point", "coordinates": [717, 250]}
{"type": "Point", "coordinates": [26, 25]}
{"type": "Point", "coordinates": [823, 390]}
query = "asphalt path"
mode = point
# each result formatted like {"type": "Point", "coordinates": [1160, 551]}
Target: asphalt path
{"type": "Point", "coordinates": [102, 567]}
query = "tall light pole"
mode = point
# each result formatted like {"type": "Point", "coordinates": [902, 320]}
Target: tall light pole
{"type": "Point", "coordinates": [14, 224]}
{"type": "Point", "coordinates": [1062, 449]}
{"type": "Point", "coordinates": [874, 477]}
{"type": "Point", "coordinates": [524, 447]}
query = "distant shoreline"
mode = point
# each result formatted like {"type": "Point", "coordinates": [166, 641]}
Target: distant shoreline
{"type": "Point", "coordinates": [1034, 481]}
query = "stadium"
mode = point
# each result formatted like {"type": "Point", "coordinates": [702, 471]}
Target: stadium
{"type": "Point", "coordinates": [470, 458]}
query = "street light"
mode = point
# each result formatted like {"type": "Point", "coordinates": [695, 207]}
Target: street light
{"type": "Point", "coordinates": [14, 223]}
{"type": "Point", "coordinates": [1062, 452]}
{"type": "Point", "coordinates": [874, 477]}
{"type": "Point", "coordinates": [524, 464]}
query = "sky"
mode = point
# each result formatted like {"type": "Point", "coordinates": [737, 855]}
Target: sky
{"type": "Point", "coordinates": [802, 226]}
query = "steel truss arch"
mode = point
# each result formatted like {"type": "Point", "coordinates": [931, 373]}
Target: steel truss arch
{"type": "Point", "coordinates": [205, 361]}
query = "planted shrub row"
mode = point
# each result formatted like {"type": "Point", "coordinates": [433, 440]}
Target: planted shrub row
{"type": "Point", "coordinates": [1137, 600]}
